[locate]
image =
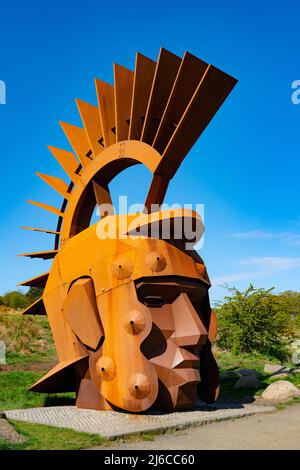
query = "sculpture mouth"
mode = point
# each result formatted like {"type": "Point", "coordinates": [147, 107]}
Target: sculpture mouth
{"type": "Point", "coordinates": [188, 365]}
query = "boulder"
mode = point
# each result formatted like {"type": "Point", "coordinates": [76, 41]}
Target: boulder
{"type": "Point", "coordinates": [246, 382]}
{"type": "Point", "coordinates": [280, 375]}
{"type": "Point", "coordinates": [275, 368]}
{"type": "Point", "coordinates": [252, 372]}
{"type": "Point", "coordinates": [280, 390]}
{"type": "Point", "coordinates": [228, 374]}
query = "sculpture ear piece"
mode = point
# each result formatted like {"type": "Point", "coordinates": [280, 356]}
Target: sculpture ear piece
{"type": "Point", "coordinates": [81, 312]}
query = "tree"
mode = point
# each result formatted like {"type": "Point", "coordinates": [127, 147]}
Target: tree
{"type": "Point", "coordinates": [294, 300]}
{"type": "Point", "coordinates": [256, 321]}
{"type": "Point", "coordinates": [33, 294]}
{"type": "Point", "coordinates": [16, 299]}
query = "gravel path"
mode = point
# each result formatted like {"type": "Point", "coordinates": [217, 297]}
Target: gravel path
{"type": "Point", "coordinates": [279, 430]}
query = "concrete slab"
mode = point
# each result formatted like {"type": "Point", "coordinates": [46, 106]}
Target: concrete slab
{"type": "Point", "coordinates": [112, 424]}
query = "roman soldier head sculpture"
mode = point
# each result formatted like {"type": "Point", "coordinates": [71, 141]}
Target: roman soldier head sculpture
{"type": "Point", "coordinates": [127, 301]}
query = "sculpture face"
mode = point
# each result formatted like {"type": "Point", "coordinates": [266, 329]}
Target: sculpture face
{"type": "Point", "coordinates": [178, 365]}
{"type": "Point", "coordinates": [155, 323]}
{"type": "Point", "coordinates": [176, 338]}
{"type": "Point", "coordinates": [153, 320]}
{"type": "Point", "coordinates": [135, 311]}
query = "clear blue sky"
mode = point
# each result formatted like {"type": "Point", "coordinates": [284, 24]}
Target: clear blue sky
{"type": "Point", "coordinates": [245, 168]}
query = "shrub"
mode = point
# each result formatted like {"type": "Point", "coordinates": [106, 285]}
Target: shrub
{"type": "Point", "coordinates": [294, 300]}
{"type": "Point", "coordinates": [255, 321]}
{"type": "Point", "coordinates": [15, 299]}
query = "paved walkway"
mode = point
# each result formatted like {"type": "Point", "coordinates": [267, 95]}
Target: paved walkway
{"type": "Point", "coordinates": [111, 424]}
{"type": "Point", "coordinates": [275, 431]}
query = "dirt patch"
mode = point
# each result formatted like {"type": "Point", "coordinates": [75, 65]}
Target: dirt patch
{"type": "Point", "coordinates": [32, 367]}
{"type": "Point", "coordinates": [9, 434]}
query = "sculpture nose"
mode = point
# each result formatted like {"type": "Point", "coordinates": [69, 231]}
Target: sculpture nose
{"type": "Point", "coordinates": [189, 330]}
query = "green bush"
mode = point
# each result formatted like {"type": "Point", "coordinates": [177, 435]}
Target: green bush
{"type": "Point", "coordinates": [15, 299]}
{"type": "Point", "coordinates": [294, 300]}
{"type": "Point", "coordinates": [256, 321]}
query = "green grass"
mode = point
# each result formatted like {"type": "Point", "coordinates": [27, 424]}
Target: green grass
{"type": "Point", "coordinates": [20, 360]}
{"type": "Point", "coordinates": [147, 437]}
{"type": "Point", "coordinates": [294, 378]}
{"type": "Point", "coordinates": [228, 361]}
{"type": "Point", "coordinates": [14, 392]}
{"type": "Point", "coordinates": [40, 437]}
{"type": "Point", "coordinates": [292, 401]}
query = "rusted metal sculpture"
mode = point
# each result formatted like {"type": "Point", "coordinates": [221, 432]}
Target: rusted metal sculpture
{"type": "Point", "coordinates": [130, 316]}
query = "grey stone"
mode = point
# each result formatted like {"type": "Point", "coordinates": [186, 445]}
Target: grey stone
{"type": "Point", "coordinates": [280, 375]}
{"type": "Point", "coordinates": [247, 381]}
{"type": "Point", "coordinates": [251, 372]}
{"type": "Point", "coordinates": [228, 374]}
{"type": "Point", "coordinates": [275, 368]}
{"type": "Point", "coordinates": [280, 390]}
{"type": "Point", "coordinates": [111, 424]}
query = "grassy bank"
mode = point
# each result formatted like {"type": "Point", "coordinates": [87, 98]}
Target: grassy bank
{"type": "Point", "coordinates": [30, 353]}
{"type": "Point", "coordinates": [27, 339]}
{"type": "Point", "coordinates": [39, 437]}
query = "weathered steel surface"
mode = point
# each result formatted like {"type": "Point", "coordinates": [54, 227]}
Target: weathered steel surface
{"type": "Point", "coordinates": [130, 316]}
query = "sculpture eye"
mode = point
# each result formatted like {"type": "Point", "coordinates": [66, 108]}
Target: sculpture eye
{"type": "Point", "coordinates": [157, 291]}
{"type": "Point", "coordinates": [153, 301]}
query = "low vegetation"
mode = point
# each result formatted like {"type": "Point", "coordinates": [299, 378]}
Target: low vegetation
{"type": "Point", "coordinates": [257, 321]}
{"type": "Point", "coordinates": [17, 300]}
{"type": "Point", "coordinates": [14, 392]}
{"type": "Point", "coordinates": [27, 339]}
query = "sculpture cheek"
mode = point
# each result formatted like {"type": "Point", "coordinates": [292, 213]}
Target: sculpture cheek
{"type": "Point", "coordinates": [134, 322]}
{"type": "Point", "coordinates": [105, 368]}
{"type": "Point", "coordinates": [122, 268]}
{"type": "Point", "coordinates": [139, 386]}
{"type": "Point", "coordinates": [155, 261]}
